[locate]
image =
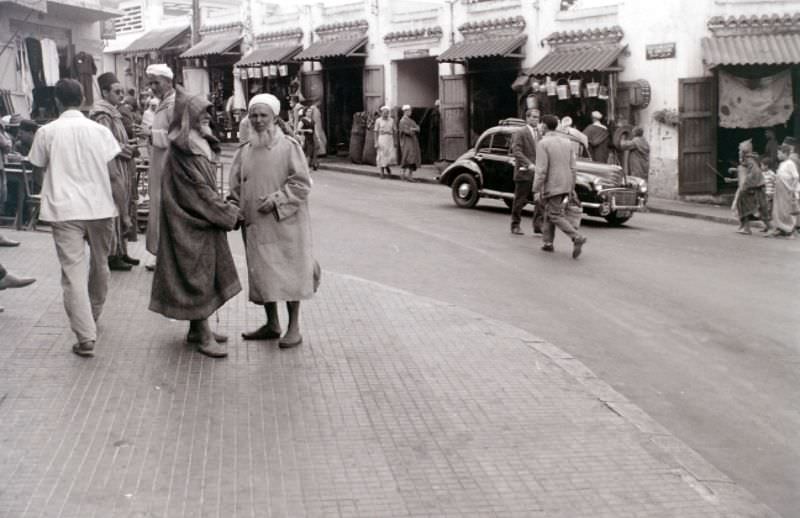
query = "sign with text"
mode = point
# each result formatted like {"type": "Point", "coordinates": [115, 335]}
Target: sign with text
{"type": "Point", "coordinates": [660, 51]}
{"type": "Point", "coordinates": [416, 53]}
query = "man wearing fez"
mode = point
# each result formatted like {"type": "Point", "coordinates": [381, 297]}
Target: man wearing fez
{"type": "Point", "coordinates": [105, 113]}
{"type": "Point", "coordinates": [159, 79]}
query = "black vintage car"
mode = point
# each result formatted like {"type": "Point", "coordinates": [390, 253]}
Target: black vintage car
{"type": "Point", "coordinates": [487, 171]}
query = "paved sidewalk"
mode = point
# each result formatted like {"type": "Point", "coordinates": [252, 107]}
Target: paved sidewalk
{"type": "Point", "coordinates": [429, 174]}
{"type": "Point", "coordinates": [395, 405]}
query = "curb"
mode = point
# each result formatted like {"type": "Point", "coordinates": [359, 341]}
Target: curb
{"type": "Point", "coordinates": [692, 215]}
{"type": "Point", "coordinates": [354, 170]}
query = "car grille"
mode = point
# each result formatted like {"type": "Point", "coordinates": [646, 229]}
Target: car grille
{"type": "Point", "coordinates": [625, 198]}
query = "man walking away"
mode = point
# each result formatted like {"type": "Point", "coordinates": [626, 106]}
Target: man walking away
{"type": "Point", "coordinates": [554, 183]}
{"type": "Point", "coordinates": [523, 147]}
{"type": "Point", "coordinates": [76, 199]}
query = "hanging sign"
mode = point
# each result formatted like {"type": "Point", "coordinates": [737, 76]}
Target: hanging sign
{"type": "Point", "coordinates": [660, 51]}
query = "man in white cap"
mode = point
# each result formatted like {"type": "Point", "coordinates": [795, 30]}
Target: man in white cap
{"type": "Point", "coordinates": [599, 138]}
{"type": "Point", "coordinates": [270, 182]}
{"type": "Point", "coordinates": [159, 79]}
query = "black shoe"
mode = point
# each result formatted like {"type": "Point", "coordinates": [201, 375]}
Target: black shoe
{"type": "Point", "coordinates": [262, 333]}
{"type": "Point", "coordinates": [577, 245]}
{"type": "Point", "coordinates": [537, 230]}
{"type": "Point", "coordinates": [548, 247]}
{"type": "Point", "coordinates": [130, 260]}
{"type": "Point", "coordinates": [117, 264]}
{"type": "Point", "coordinates": [516, 230]}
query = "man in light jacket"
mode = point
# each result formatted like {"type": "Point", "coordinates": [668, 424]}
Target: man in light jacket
{"type": "Point", "coordinates": [554, 183]}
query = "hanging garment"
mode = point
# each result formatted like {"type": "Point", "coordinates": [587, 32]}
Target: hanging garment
{"type": "Point", "coordinates": [84, 69]}
{"type": "Point", "coordinates": [754, 102]}
{"type": "Point", "coordinates": [34, 48]}
{"type": "Point", "coordinates": [50, 62]}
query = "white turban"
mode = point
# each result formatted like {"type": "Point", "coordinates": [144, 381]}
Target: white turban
{"type": "Point", "coordinates": [268, 99]}
{"type": "Point", "coordinates": [597, 115]}
{"type": "Point", "coordinates": [384, 107]}
{"type": "Point", "coordinates": [159, 69]}
{"type": "Point", "coordinates": [406, 107]}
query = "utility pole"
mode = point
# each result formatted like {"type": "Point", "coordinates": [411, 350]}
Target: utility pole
{"type": "Point", "coordinates": [195, 22]}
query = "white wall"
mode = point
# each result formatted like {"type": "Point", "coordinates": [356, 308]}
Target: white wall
{"type": "Point", "coordinates": [417, 81]}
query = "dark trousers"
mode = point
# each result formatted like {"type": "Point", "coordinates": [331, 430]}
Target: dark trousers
{"type": "Point", "coordinates": [522, 190]}
{"type": "Point", "coordinates": [555, 208]}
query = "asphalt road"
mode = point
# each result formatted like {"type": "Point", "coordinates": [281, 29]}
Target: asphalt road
{"type": "Point", "coordinates": [693, 322]}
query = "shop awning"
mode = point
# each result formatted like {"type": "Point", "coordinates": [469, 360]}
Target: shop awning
{"type": "Point", "coordinates": [81, 10]}
{"type": "Point", "coordinates": [345, 47]}
{"type": "Point", "coordinates": [755, 49]}
{"type": "Point", "coordinates": [269, 56]}
{"type": "Point", "coordinates": [34, 5]}
{"type": "Point", "coordinates": [216, 44]}
{"type": "Point", "coordinates": [573, 60]}
{"type": "Point", "coordinates": [157, 39]}
{"type": "Point", "coordinates": [508, 47]}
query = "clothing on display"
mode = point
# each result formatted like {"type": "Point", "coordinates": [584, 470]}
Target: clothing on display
{"type": "Point", "coordinates": [50, 64]}
{"type": "Point", "coordinates": [84, 69]}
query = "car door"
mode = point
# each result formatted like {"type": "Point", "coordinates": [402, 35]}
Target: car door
{"type": "Point", "coordinates": [500, 163]}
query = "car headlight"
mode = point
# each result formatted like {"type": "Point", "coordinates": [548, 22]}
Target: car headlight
{"type": "Point", "coordinates": [601, 184]}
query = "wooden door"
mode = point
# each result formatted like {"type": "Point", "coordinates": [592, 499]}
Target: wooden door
{"type": "Point", "coordinates": [374, 94]}
{"type": "Point", "coordinates": [697, 136]}
{"type": "Point", "coordinates": [453, 97]}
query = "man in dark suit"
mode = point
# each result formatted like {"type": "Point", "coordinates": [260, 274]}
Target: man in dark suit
{"type": "Point", "coordinates": [554, 184]}
{"type": "Point", "coordinates": [523, 147]}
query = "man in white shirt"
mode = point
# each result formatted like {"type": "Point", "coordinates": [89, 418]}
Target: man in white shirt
{"type": "Point", "coordinates": [74, 152]}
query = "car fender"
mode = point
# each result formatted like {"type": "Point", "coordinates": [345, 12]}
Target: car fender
{"type": "Point", "coordinates": [458, 167]}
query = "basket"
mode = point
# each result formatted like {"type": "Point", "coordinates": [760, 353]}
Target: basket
{"type": "Point", "coordinates": [592, 88]}
{"type": "Point", "coordinates": [575, 87]}
{"type": "Point", "coordinates": [550, 86]}
{"type": "Point", "coordinates": [562, 89]}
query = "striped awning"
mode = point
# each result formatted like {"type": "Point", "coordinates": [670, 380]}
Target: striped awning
{"type": "Point", "coordinates": [157, 39]}
{"type": "Point", "coordinates": [269, 56]}
{"type": "Point", "coordinates": [752, 49]}
{"type": "Point", "coordinates": [509, 47]}
{"type": "Point", "coordinates": [320, 50]}
{"type": "Point", "coordinates": [573, 60]}
{"type": "Point", "coordinates": [214, 45]}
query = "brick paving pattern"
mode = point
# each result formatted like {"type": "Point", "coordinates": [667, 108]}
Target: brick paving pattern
{"type": "Point", "coordinates": [394, 406]}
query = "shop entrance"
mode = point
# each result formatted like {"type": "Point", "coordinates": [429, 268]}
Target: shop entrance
{"type": "Point", "coordinates": [490, 95]}
{"type": "Point", "coordinates": [344, 96]}
{"type": "Point", "coordinates": [418, 86]}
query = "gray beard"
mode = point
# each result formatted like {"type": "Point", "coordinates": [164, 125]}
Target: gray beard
{"type": "Point", "coordinates": [257, 139]}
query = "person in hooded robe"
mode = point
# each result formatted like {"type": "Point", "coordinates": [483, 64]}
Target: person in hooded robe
{"type": "Point", "coordinates": [639, 154]}
{"type": "Point", "coordinates": [194, 272]}
{"type": "Point", "coordinates": [105, 112]}
{"type": "Point", "coordinates": [599, 138]}
{"type": "Point", "coordinates": [270, 182]}
{"type": "Point", "coordinates": [410, 154]}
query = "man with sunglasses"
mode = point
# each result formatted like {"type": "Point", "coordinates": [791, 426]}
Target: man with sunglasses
{"type": "Point", "coordinates": [120, 170]}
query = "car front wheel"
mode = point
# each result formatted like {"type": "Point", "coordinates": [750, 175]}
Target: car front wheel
{"type": "Point", "coordinates": [615, 220]}
{"type": "Point", "coordinates": [465, 191]}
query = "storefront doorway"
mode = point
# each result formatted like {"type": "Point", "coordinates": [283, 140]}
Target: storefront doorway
{"type": "Point", "coordinates": [490, 96]}
{"type": "Point", "coordinates": [418, 86]}
{"type": "Point", "coordinates": [344, 96]}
